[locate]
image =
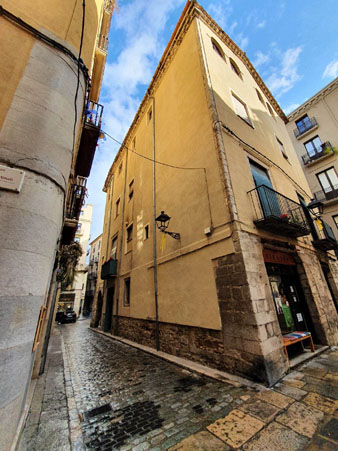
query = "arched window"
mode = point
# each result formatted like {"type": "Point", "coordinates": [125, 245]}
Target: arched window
{"type": "Point", "coordinates": [217, 48]}
{"type": "Point", "coordinates": [235, 68]}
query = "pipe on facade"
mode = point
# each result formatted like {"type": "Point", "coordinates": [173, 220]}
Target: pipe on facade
{"type": "Point", "coordinates": [119, 263]}
{"type": "Point", "coordinates": [157, 326]}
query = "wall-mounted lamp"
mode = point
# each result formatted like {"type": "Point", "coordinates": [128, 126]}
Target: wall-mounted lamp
{"type": "Point", "coordinates": [162, 222]}
{"type": "Point", "coordinates": [316, 207]}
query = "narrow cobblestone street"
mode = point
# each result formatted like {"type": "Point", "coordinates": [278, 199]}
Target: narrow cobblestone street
{"type": "Point", "coordinates": [98, 393]}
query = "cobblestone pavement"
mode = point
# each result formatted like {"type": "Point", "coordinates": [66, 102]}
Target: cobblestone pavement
{"type": "Point", "coordinates": [120, 398]}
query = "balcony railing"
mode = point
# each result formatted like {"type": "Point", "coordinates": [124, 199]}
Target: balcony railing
{"type": "Point", "coordinates": [304, 126]}
{"type": "Point", "coordinates": [328, 194]}
{"type": "Point", "coordinates": [103, 43]}
{"type": "Point", "coordinates": [326, 238]}
{"type": "Point", "coordinates": [109, 269]}
{"type": "Point", "coordinates": [324, 149]}
{"type": "Point", "coordinates": [90, 134]}
{"type": "Point", "coordinates": [277, 213]}
{"type": "Point", "coordinates": [76, 197]}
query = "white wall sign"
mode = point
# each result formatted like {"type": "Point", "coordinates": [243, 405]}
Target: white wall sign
{"type": "Point", "coordinates": [11, 179]}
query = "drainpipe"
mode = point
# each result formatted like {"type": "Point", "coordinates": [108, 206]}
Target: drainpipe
{"type": "Point", "coordinates": [157, 326]}
{"type": "Point", "coordinates": [119, 262]}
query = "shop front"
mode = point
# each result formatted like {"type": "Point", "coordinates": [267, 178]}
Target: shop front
{"type": "Point", "coordinates": [290, 303]}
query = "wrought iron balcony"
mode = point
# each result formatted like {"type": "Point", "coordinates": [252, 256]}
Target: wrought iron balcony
{"type": "Point", "coordinates": [76, 197]}
{"type": "Point", "coordinates": [109, 269]}
{"type": "Point", "coordinates": [329, 194]}
{"type": "Point", "coordinates": [277, 213]}
{"type": "Point", "coordinates": [323, 150]}
{"type": "Point", "coordinates": [304, 126]}
{"type": "Point", "coordinates": [90, 134]}
{"type": "Point", "coordinates": [326, 240]}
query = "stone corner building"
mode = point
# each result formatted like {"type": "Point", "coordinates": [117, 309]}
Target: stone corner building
{"type": "Point", "coordinates": [209, 146]}
{"type": "Point", "coordinates": [53, 55]}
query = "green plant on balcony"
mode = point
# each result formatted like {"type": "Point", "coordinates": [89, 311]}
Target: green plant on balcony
{"type": "Point", "coordinates": [68, 261]}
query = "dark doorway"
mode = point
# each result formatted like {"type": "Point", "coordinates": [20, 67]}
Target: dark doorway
{"type": "Point", "coordinates": [98, 310]}
{"type": "Point", "coordinates": [109, 310]}
{"type": "Point", "coordinates": [291, 307]}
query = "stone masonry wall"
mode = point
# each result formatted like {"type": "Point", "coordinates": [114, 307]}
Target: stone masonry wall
{"type": "Point", "coordinates": [251, 334]}
{"type": "Point", "coordinates": [318, 297]}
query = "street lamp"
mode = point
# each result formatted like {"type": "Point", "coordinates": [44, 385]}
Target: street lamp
{"type": "Point", "coordinates": [316, 207]}
{"type": "Point", "coordinates": [162, 222]}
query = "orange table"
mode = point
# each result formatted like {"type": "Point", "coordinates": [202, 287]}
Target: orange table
{"type": "Point", "coordinates": [296, 337]}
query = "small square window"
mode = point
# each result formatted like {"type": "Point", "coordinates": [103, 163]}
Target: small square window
{"type": "Point", "coordinates": [150, 115]}
{"type": "Point", "coordinates": [241, 109]}
{"type": "Point", "coordinates": [126, 298]}
{"type": "Point", "coordinates": [146, 232]}
{"type": "Point", "coordinates": [270, 109]}
{"type": "Point", "coordinates": [117, 207]}
{"type": "Point", "coordinates": [129, 233]}
{"type": "Point", "coordinates": [131, 189]}
{"type": "Point", "coordinates": [281, 146]}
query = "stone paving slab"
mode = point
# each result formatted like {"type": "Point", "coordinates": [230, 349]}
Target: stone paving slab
{"type": "Point", "coordinates": [236, 428]}
{"type": "Point", "coordinates": [202, 441]}
{"type": "Point", "coordinates": [301, 419]}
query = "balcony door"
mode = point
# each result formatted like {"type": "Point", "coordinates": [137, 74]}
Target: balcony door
{"type": "Point", "coordinates": [329, 182]}
{"type": "Point", "coordinates": [266, 193]}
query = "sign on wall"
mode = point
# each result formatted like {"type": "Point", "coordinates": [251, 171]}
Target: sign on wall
{"type": "Point", "coordinates": [11, 179]}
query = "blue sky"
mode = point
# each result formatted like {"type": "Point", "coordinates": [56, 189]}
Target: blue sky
{"type": "Point", "coordinates": [292, 44]}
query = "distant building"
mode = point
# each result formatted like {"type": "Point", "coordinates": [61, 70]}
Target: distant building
{"type": "Point", "coordinates": [93, 266]}
{"type": "Point", "coordinates": [238, 272]}
{"type": "Point", "coordinates": [74, 295]}
{"type": "Point", "coordinates": [313, 128]}
{"type": "Point", "coordinates": [52, 61]}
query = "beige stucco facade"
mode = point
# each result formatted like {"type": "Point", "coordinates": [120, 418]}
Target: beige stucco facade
{"type": "Point", "coordinates": [190, 152]}
{"type": "Point", "coordinates": [92, 277]}
{"type": "Point", "coordinates": [316, 145]}
{"type": "Point", "coordinates": [43, 87]}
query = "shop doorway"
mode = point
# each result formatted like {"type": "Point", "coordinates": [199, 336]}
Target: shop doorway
{"type": "Point", "coordinates": [291, 307]}
{"type": "Point", "coordinates": [108, 318]}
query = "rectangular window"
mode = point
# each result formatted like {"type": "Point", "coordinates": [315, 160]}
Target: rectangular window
{"type": "Point", "coordinates": [146, 232]}
{"type": "Point", "coordinates": [303, 124]}
{"type": "Point", "coordinates": [120, 167]}
{"type": "Point", "coordinates": [117, 207]}
{"type": "Point", "coordinates": [335, 219]}
{"type": "Point", "coordinates": [241, 109]}
{"type": "Point", "coordinates": [313, 146]}
{"type": "Point", "coordinates": [281, 146]}
{"type": "Point", "coordinates": [134, 143]}
{"type": "Point", "coordinates": [150, 115]}
{"type": "Point", "coordinates": [131, 189]}
{"type": "Point", "coordinates": [328, 180]}
{"type": "Point", "coordinates": [126, 298]}
{"type": "Point", "coordinates": [129, 233]}
{"type": "Point", "coordinates": [113, 248]}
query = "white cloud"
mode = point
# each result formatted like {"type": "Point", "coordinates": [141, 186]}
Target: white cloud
{"type": "Point", "coordinates": [242, 41]}
{"type": "Point", "coordinates": [140, 24]}
{"type": "Point", "coordinates": [220, 13]}
{"type": "Point", "coordinates": [261, 24]}
{"type": "Point", "coordinates": [290, 108]}
{"type": "Point", "coordinates": [284, 77]}
{"type": "Point", "coordinates": [261, 58]}
{"type": "Point", "coordinates": [331, 70]}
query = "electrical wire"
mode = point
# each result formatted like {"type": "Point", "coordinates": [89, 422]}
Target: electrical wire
{"type": "Point", "coordinates": [78, 71]}
{"type": "Point", "coordinates": [148, 158]}
{"type": "Point", "coordinates": [230, 132]}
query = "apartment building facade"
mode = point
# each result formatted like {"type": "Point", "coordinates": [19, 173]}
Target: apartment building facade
{"type": "Point", "coordinates": [209, 148]}
{"type": "Point", "coordinates": [53, 58]}
{"type": "Point", "coordinates": [73, 296]}
{"type": "Point", "coordinates": [313, 128]}
{"type": "Point", "coordinates": [92, 276]}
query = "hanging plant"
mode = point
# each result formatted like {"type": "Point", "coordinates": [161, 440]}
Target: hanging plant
{"type": "Point", "coordinates": [69, 258]}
